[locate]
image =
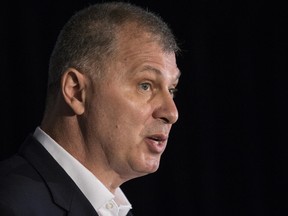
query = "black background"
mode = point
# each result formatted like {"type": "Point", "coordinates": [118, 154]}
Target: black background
{"type": "Point", "coordinates": [227, 154]}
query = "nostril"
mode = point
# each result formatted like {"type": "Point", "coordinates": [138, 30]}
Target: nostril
{"type": "Point", "coordinates": [165, 120]}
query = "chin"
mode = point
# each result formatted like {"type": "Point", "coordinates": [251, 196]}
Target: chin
{"type": "Point", "coordinates": [146, 165]}
{"type": "Point", "coordinates": [152, 166]}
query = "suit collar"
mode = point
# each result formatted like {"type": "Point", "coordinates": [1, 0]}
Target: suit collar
{"type": "Point", "coordinates": [63, 190]}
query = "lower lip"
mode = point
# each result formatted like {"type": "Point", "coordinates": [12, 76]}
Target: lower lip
{"type": "Point", "coordinates": [155, 146]}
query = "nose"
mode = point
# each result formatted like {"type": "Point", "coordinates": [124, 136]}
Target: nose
{"type": "Point", "coordinates": [166, 109]}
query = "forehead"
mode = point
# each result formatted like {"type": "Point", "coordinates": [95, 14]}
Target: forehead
{"type": "Point", "coordinates": [147, 58]}
{"type": "Point", "coordinates": [171, 75]}
{"type": "Point", "coordinates": [134, 33]}
{"type": "Point", "coordinates": [137, 47]}
{"type": "Point", "coordinates": [133, 42]}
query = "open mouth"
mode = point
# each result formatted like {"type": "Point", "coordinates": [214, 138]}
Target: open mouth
{"type": "Point", "coordinates": [158, 138]}
{"type": "Point", "coordinates": [156, 143]}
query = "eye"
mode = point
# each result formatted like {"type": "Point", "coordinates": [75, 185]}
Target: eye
{"type": "Point", "coordinates": [145, 86]}
{"type": "Point", "coordinates": [173, 92]}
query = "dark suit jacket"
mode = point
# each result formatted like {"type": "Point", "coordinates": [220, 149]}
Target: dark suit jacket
{"type": "Point", "coordinates": [32, 183]}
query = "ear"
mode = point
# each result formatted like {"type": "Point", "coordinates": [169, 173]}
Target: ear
{"type": "Point", "coordinates": [73, 85]}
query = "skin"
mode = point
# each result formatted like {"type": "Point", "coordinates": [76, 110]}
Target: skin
{"type": "Point", "coordinates": [118, 127]}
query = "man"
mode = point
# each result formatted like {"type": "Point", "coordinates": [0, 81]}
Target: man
{"type": "Point", "coordinates": [109, 111]}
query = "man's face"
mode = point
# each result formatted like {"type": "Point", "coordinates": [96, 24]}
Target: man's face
{"type": "Point", "coordinates": [132, 108]}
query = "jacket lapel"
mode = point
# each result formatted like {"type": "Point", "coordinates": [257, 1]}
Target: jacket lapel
{"type": "Point", "coordinates": [64, 191]}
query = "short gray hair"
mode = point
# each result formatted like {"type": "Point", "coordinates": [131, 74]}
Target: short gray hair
{"type": "Point", "coordinates": [88, 39]}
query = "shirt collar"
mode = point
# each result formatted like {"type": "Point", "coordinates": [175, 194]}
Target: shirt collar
{"type": "Point", "coordinates": [89, 184]}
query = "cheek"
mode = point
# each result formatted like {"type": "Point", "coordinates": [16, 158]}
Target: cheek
{"type": "Point", "coordinates": [128, 124]}
{"type": "Point", "coordinates": [119, 115]}
{"type": "Point", "coordinates": [124, 110]}
{"type": "Point", "coordinates": [128, 121]}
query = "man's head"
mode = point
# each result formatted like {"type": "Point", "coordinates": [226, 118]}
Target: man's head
{"type": "Point", "coordinates": [87, 41]}
{"type": "Point", "coordinates": [112, 77]}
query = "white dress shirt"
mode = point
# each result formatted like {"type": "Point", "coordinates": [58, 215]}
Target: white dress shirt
{"type": "Point", "coordinates": [104, 202]}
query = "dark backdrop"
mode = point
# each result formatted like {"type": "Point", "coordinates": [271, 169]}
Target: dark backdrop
{"type": "Point", "coordinates": [227, 155]}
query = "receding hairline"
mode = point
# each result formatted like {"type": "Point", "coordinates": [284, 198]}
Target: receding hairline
{"type": "Point", "coordinates": [85, 26]}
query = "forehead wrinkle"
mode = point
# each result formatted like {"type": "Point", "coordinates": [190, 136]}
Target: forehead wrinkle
{"type": "Point", "coordinates": [159, 72]}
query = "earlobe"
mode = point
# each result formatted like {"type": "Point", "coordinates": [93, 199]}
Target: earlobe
{"type": "Point", "coordinates": [73, 90]}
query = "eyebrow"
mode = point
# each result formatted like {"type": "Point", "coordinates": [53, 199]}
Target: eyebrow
{"type": "Point", "coordinates": [150, 68]}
